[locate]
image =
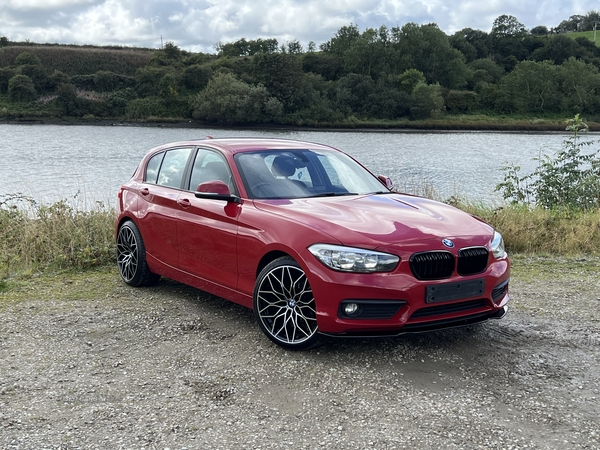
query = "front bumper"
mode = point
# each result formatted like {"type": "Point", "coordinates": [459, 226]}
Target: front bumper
{"type": "Point", "coordinates": [413, 309]}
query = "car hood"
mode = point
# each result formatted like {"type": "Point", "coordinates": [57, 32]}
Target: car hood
{"type": "Point", "coordinates": [389, 221]}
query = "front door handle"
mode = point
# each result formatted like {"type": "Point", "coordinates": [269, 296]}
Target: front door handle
{"type": "Point", "coordinates": [184, 202]}
{"type": "Point", "coordinates": [145, 191]}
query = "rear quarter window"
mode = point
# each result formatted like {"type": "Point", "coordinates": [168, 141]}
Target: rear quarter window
{"type": "Point", "coordinates": [152, 168]}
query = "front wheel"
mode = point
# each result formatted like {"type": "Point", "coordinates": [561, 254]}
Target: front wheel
{"type": "Point", "coordinates": [131, 257]}
{"type": "Point", "coordinates": [284, 305]}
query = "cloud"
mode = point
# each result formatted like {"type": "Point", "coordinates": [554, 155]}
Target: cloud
{"type": "Point", "coordinates": [198, 25]}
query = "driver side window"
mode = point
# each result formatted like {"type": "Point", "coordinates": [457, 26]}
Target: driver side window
{"type": "Point", "coordinates": [210, 166]}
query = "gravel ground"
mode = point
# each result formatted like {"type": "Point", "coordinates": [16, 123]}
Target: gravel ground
{"type": "Point", "coordinates": [172, 367]}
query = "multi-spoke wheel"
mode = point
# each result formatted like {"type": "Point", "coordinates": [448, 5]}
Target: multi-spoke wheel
{"type": "Point", "coordinates": [284, 305]}
{"type": "Point", "coordinates": [131, 257]}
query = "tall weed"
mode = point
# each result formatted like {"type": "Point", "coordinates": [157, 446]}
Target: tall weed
{"type": "Point", "coordinates": [59, 236]}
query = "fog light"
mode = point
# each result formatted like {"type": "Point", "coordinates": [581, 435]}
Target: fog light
{"type": "Point", "coordinates": [350, 308]}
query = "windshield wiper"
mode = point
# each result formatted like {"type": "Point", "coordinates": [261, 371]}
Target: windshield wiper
{"type": "Point", "coordinates": [382, 192]}
{"type": "Point", "coordinates": [332, 194]}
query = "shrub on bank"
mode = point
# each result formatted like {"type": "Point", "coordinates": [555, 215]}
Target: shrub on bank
{"type": "Point", "coordinates": [59, 236]}
{"type": "Point", "coordinates": [543, 231]}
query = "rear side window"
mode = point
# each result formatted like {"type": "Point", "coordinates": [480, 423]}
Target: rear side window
{"type": "Point", "coordinates": [153, 167]}
{"type": "Point", "coordinates": [168, 168]}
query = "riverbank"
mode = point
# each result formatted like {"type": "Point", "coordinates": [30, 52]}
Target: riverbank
{"type": "Point", "coordinates": [448, 123]}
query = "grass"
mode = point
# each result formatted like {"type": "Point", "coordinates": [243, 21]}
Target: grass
{"type": "Point", "coordinates": [538, 231]}
{"type": "Point", "coordinates": [81, 60]}
{"type": "Point", "coordinates": [586, 34]}
{"type": "Point", "coordinates": [36, 237]}
{"type": "Point", "coordinates": [39, 240]}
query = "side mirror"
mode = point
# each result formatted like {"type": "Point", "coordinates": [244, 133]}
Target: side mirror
{"type": "Point", "coordinates": [215, 190]}
{"type": "Point", "coordinates": [386, 181]}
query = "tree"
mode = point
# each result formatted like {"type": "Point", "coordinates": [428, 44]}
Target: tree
{"type": "Point", "coordinates": [558, 49]}
{"type": "Point", "coordinates": [572, 24]}
{"type": "Point", "coordinates": [366, 54]}
{"type": "Point", "coordinates": [533, 86]}
{"type": "Point", "coordinates": [352, 93]}
{"type": "Point", "coordinates": [196, 77]}
{"type": "Point", "coordinates": [227, 100]}
{"type": "Point", "coordinates": [508, 26]}
{"type": "Point", "coordinates": [326, 64]}
{"type": "Point", "coordinates": [58, 78]}
{"type": "Point", "coordinates": [468, 41]}
{"type": "Point", "coordinates": [580, 84]}
{"type": "Point", "coordinates": [6, 73]}
{"type": "Point", "coordinates": [427, 49]}
{"type": "Point", "coordinates": [486, 70]}
{"type": "Point", "coordinates": [171, 51]}
{"type": "Point", "coordinates": [27, 58]}
{"type": "Point", "coordinates": [294, 47]}
{"type": "Point", "coordinates": [106, 81]}
{"type": "Point", "coordinates": [21, 89]}
{"type": "Point", "coordinates": [343, 39]}
{"type": "Point", "coordinates": [426, 100]}
{"type": "Point", "coordinates": [409, 79]}
{"type": "Point", "coordinates": [168, 87]}
{"type": "Point", "coordinates": [591, 19]}
{"type": "Point", "coordinates": [281, 74]}
{"type": "Point", "coordinates": [540, 30]}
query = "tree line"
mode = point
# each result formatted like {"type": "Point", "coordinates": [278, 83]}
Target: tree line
{"type": "Point", "coordinates": [384, 74]}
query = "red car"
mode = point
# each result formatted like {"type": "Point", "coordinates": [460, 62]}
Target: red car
{"type": "Point", "coordinates": [309, 239]}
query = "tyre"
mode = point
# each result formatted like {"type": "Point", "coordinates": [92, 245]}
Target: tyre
{"type": "Point", "coordinates": [284, 305]}
{"type": "Point", "coordinates": [131, 257]}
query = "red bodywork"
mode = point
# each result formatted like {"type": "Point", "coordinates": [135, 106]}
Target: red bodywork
{"type": "Point", "coordinates": [221, 246]}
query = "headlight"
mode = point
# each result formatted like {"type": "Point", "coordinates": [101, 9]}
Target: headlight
{"type": "Point", "coordinates": [497, 246]}
{"type": "Point", "coordinates": [348, 259]}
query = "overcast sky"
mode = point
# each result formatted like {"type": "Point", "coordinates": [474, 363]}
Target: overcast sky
{"type": "Point", "coordinates": [197, 25]}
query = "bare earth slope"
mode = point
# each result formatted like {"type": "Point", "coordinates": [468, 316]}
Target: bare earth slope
{"type": "Point", "coordinates": [87, 362]}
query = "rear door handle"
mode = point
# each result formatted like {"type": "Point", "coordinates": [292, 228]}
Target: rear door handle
{"type": "Point", "coordinates": [184, 202]}
{"type": "Point", "coordinates": [145, 191]}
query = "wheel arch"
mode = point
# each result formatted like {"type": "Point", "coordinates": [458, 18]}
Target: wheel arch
{"type": "Point", "coordinates": [269, 257]}
{"type": "Point", "coordinates": [121, 220]}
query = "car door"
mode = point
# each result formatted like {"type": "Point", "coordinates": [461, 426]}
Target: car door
{"type": "Point", "coordinates": [206, 228]}
{"type": "Point", "coordinates": [157, 215]}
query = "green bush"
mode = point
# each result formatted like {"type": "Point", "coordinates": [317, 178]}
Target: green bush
{"type": "Point", "coordinates": [227, 100]}
{"type": "Point", "coordinates": [21, 89]}
{"type": "Point", "coordinates": [569, 179]}
{"type": "Point", "coordinates": [426, 100]}
{"type": "Point", "coordinates": [6, 73]}
{"type": "Point", "coordinates": [27, 58]}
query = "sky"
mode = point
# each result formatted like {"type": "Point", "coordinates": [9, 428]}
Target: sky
{"type": "Point", "coordinates": [198, 25]}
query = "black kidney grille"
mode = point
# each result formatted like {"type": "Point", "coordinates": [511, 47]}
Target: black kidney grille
{"type": "Point", "coordinates": [432, 265]}
{"type": "Point", "coordinates": [472, 260]}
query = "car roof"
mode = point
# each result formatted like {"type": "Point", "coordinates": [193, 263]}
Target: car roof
{"type": "Point", "coordinates": [247, 144]}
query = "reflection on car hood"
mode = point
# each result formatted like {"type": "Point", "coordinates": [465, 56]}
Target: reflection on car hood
{"type": "Point", "coordinates": [384, 221]}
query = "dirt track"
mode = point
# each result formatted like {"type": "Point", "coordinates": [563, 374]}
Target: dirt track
{"type": "Point", "coordinates": [171, 367]}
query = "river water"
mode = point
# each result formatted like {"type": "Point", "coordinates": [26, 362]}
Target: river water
{"type": "Point", "coordinates": [86, 164]}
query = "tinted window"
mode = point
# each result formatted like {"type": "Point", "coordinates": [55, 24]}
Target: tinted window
{"type": "Point", "coordinates": [173, 167]}
{"type": "Point", "coordinates": [304, 173]}
{"type": "Point", "coordinates": [152, 168]}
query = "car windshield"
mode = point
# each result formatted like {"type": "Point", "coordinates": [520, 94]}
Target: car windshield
{"type": "Point", "coordinates": [304, 173]}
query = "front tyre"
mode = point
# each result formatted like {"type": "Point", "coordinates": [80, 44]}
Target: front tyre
{"type": "Point", "coordinates": [131, 257]}
{"type": "Point", "coordinates": [284, 305]}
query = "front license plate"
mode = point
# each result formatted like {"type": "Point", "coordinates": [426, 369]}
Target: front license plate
{"type": "Point", "coordinates": [448, 292]}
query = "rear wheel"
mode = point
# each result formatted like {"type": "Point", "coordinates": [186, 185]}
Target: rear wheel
{"type": "Point", "coordinates": [131, 257]}
{"type": "Point", "coordinates": [284, 305]}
